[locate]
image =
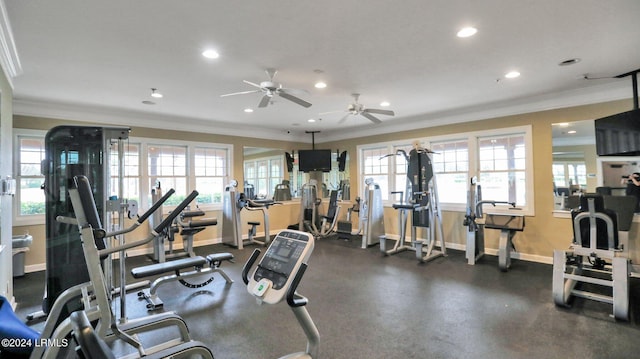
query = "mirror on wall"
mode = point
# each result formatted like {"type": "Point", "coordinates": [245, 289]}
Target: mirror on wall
{"type": "Point", "coordinates": [266, 174]}
{"type": "Point", "coordinates": [574, 163]}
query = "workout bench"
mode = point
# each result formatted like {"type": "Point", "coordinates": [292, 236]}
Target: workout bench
{"type": "Point", "coordinates": [212, 262]}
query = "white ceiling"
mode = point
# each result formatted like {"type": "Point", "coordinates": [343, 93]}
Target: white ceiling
{"type": "Point", "coordinates": [98, 60]}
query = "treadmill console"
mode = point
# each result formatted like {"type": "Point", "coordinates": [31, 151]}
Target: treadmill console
{"type": "Point", "coordinates": [277, 268]}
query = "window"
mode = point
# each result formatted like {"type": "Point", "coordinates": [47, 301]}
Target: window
{"type": "Point", "coordinates": [264, 174]}
{"type": "Point", "coordinates": [566, 174]}
{"type": "Point", "coordinates": [131, 177]}
{"type": "Point", "coordinates": [211, 173]}
{"type": "Point", "coordinates": [501, 160]}
{"type": "Point", "coordinates": [502, 168]}
{"type": "Point", "coordinates": [30, 196]}
{"type": "Point", "coordinates": [451, 168]}
{"type": "Point", "coordinates": [168, 166]}
{"type": "Point", "coordinates": [375, 165]}
{"type": "Point", "coordinates": [176, 164]}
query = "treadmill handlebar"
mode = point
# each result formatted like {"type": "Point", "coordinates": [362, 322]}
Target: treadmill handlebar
{"type": "Point", "coordinates": [167, 221]}
{"type": "Point", "coordinates": [155, 206]}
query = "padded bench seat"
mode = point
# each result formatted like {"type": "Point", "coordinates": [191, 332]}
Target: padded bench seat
{"type": "Point", "coordinates": [159, 268]}
{"type": "Point", "coordinates": [219, 257]}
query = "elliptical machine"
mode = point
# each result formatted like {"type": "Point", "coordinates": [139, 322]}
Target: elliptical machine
{"type": "Point", "coordinates": [277, 276]}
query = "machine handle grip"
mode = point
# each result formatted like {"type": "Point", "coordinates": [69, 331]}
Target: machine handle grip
{"type": "Point", "coordinates": [248, 265]}
{"type": "Point", "coordinates": [293, 299]}
{"type": "Point", "coordinates": [167, 221]}
{"type": "Point", "coordinates": [155, 206]}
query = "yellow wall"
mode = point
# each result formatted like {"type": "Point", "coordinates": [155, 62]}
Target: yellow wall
{"type": "Point", "coordinates": [543, 232]}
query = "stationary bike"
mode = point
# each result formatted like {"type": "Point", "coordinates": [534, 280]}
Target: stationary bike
{"type": "Point", "coordinates": [277, 276]}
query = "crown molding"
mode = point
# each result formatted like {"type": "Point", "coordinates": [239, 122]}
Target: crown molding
{"type": "Point", "coordinates": [113, 116]}
{"type": "Point", "coordinates": [9, 60]}
{"type": "Point", "coordinates": [584, 96]}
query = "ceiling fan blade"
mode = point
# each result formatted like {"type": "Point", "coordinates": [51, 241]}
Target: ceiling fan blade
{"type": "Point", "coordinates": [295, 92]}
{"type": "Point", "coordinates": [252, 84]}
{"type": "Point", "coordinates": [264, 101]}
{"type": "Point", "coordinates": [292, 98]}
{"type": "Point", "coordinates": [381, 112]}
{"type": "Point", "coordinates": [239, 93]}
{"type": "Point", "coordinates": [371, 117]}
{"type": "Point", "coordinates": [344, 118]}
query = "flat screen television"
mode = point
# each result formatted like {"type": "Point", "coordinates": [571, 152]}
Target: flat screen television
{"type": "Point", "coordinates": [618, 135]}
{"type": "Point", "coordinates": [314, 160]}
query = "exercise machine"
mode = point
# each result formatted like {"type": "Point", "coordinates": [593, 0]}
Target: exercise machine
{"type": "Point", "coordinates": [476, 222]}
{"type": "Point", "coordinates": [261, 205]}
{"type": "Point", "coordinates": [371, 214]}
{"type": "Point", "coordinates": [232, 205]}
{"type": "Point", "coordinates": [187, 225]}
{"type": "Point", "coordinates": [596, 266]}
{"type": "Point", "coordinates": [424, 206]}
{"type": "Point", "coordinates": [310, 202]}
{"type": "Point", "coordinates": [182, 269]}
{"type": "Point", "coordinates": [404, 209]}
{"type": "Point", "coordinates": [277, 277]}
{"type": "Point", "coordinates": [95, 294]}
{"type": "Point", "coordinates": [93, 347]}
{"type": "Point", "coordinates": [282, 192]}
{"type": "Point", "coordinates": [345, 228]}
{"type": "Point", "coordinates": [71, 151]}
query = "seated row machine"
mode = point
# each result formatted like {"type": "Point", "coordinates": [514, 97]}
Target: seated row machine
{"type": "Point", "coordinates": [597, 262]}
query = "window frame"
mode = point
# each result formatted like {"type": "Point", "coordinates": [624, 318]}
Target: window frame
{"type": "Point", "coordinates": [472, 138]}
{"type": "Point", "coordinates": [19, 219]}
{"type": "Point", "coordinates": [268, 178]}
{"type": "Point", "coordinates": [143, 174]}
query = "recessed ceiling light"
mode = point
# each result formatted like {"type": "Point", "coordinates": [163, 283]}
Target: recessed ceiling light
{"type": "Point", "coordinates": [311, 120]}
{"type": "Point", "coordinates": [385, 104]}
{"type": "Point", "coordinates": [248, 110]}
{"type": "Point", "coordinates": [467, 32]}
{"type": "Point", "coordinates": [512, 74]}
{"type": "Point", "coordinates": [211, 54]}
{"type": "Point", "coordinates": [563, 124]}
{"type": "Point", "coordinates": [320, 85]}
{"type": "Point", "coordinates": [571, 132]}
{"type": "Point", "coordinates": [155, 93]}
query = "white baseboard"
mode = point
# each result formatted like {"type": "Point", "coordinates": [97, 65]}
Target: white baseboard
{"type": "Point", "coordinates": [457, 246]}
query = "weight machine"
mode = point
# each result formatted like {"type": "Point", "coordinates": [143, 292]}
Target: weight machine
{"type": "Point", "coordinates": [72, 151]}
{"type": "Point", "coordinates": [596, 266]}
{"type": "Point", "coordinates": [232, 205]}
{"type": "Point", "coordinates": [424, 207]}
{"type": "Point", "coordinates": [476, 222]}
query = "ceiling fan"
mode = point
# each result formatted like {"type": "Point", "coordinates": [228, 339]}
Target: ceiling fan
{"type": "Point", "coordinates": [269, 89]}
{"type": "Point", "coordinates": [357, 108]}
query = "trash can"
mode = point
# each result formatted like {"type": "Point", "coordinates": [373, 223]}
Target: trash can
{"type": "Point", "coordinates": [20, 245]}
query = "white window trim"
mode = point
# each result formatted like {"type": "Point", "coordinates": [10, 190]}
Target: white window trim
{"type": "Point", "coordinates": [20, 220]}
{"type": "Point", "coordinates": [191, 178]}
{"type": "Point", "coordinates": [269, 177]}
{"type": "Point", "coordinates": [472, 137]}
{"type": "Point", "coordinates": [144, 142]}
